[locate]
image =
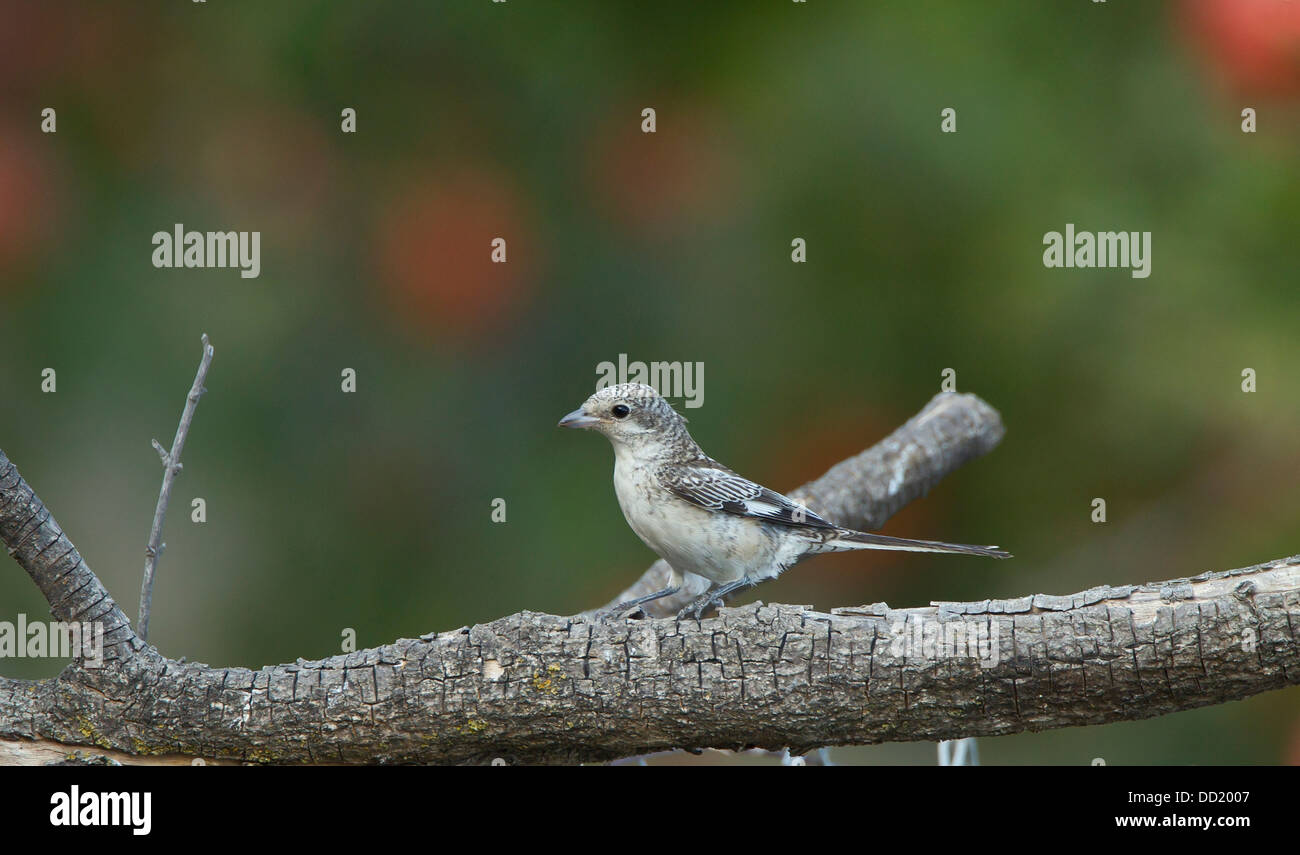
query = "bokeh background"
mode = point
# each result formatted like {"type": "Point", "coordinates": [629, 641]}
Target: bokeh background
{"type": "Point", "coordinates": [523, 120]}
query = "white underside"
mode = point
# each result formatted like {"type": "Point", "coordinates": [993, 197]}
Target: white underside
{"type": "Point", "coordinates": [719, 546]}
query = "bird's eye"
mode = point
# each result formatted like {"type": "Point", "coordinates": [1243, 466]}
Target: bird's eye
{"type": "Point", "coordinates": [621, 411]}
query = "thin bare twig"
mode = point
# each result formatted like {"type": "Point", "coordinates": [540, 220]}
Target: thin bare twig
{"type": "Point", "coordinates": [171, 461]}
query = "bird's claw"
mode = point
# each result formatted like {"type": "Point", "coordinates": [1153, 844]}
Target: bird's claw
{"type": "Point", "coordinates": [699, 607]}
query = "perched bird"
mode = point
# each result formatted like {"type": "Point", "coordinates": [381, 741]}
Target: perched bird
{"type": "Point", "coordinates": [703, 518]}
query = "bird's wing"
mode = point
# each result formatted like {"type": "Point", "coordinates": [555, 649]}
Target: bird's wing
{"type": "Point", "coordinates": [712, 486]}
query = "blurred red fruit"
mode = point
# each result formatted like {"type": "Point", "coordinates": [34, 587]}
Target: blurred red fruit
{"type": "Point", "coordinates": [26, 196]}
{"type": "Point", "coordinates": [1254, 44]}
{"type": "Point", "coordinates": [435, 246]}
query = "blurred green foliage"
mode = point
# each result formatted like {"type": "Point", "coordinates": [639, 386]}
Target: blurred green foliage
{"type": "Point", "coordinates": [522, 120]}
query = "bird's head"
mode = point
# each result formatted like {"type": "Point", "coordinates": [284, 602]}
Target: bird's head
{"type": "Point", "coordinates": [629, 414]}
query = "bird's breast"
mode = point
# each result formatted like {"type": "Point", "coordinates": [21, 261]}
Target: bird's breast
{"type": "Point", "coordinates": [714, 544]}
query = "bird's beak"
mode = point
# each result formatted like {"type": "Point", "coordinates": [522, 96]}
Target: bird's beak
{"type": "Point", "coordinates": [579, 419]}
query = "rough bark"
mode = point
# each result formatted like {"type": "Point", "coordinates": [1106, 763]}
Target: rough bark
{"type": "Point", "coordinates": [73, 591]}
{"type": "Point", "coordinates": [533, 688]}
{"type": "Point", "coordinates": [537, 688]}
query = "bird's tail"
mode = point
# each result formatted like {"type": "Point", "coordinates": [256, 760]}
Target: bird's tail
{"type": "Point", "coordinates": [847, 539]}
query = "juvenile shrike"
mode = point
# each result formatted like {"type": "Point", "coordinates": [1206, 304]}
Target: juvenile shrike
{"type": "Point", "coordinates": [701, 517]}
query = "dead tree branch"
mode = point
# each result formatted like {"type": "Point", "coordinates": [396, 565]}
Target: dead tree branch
{"type": "Point", "coordinates": [537, 688]}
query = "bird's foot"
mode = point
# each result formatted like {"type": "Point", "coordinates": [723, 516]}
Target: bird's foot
{"type": "Point", "coordinates": [622, 611]}
{"type": "Point", "coordinates": [700, 606]}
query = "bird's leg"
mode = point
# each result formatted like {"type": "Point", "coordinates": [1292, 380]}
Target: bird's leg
{"type": "Point", "coordinates": [718, 597]}
{"type": "Point", "coordinates": [622, 609]}
{"type": "Point", "coordinates": [627, 608]}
